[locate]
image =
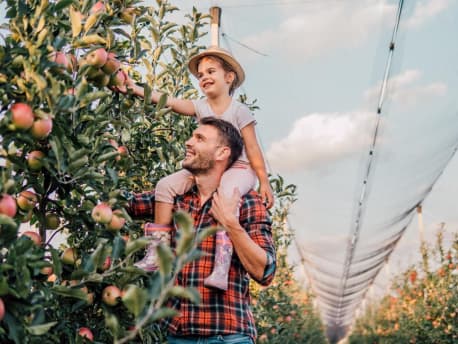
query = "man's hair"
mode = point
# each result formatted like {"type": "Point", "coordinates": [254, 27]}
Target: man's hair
{"type": "Point", "coordinates": [229, 136]}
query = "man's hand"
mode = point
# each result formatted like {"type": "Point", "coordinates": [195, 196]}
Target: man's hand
{"type": "Point", "coordinates": [225, 209]}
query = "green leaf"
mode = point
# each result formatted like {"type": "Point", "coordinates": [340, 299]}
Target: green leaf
{"type": "Point", "coordinates": [62, 4]}
{"type": "Point", "coordinates": [76, 293]}
{"type": "Point", "coordinates": [77, 164]}
{"type": "Point", "coordinates": [184, 221]}
{"type": "Point", "coordinates": [134, 298]}
{"type": "Point", "coordinates": [165, 255]}
{"type": "Point", "coordinates": [94, 277]}
{"type": "Point", "coordinates": [7, 221]}
{"type": "Point", "coordinates": [118, 247]}
{"type": "Point", "coordinates": [186, 293]}
{"type": "Point", "coordinates": [39, 330]}
{"type": "Point", "coordinates": [57, 149]}
{"type": "Point", "coordinates": [90, 97]}
{"type": "Point", "coordinates": [111, 321]}
{"type": "Point", "coordinates": [205, 233]}
{"type": "Point", "coordinates": [162, 101]}
{"type": "Point", "coordinates": [136, 245]}
{"type": "Point", "coordinates": [106, 156]}
{"type": "Point", "coordinates": [164, 312]}
{"type": "Point", "coordinates": [56, 263]}
{"type": "Point", "coordinates": [95, 259]}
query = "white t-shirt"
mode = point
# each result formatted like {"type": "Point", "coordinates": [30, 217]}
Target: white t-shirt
{"type": "Point", "coordinates": [237, 113]}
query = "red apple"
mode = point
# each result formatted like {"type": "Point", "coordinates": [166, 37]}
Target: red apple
{"type": "Point", "coordinates": [99, 6]}
{"type": "Point", "coordinates": [68, 256]}
{"type": "Point", "coordinates": [112, 65]}
{"type": "Point", "coordinates": [106, 264]}
{"type": "Point", "coordinates": [117, 221]}
{"type": "Point", "coordinates": [102, 213]}
{"type": "Point", "coordinates": [61, 59]}
{"type": "Point", "coordinates": [41, 128]}
{"type": "Point", "coordinates": [82, 62]}
{"type": "Point", "coordinates": [52, 221]}
{"type": "Point", "coordinates": [34, 236]}
{"type": "Point", "coordinates": [113, 143]}
{"type": "Point", "coordinates": [22, 116]}
{"type": "Point", "coordinates": [26, 200]}
{"type": "Point", "coordinates": [51, 278]}
{"type": "Point", "coordinates": [86, 333]}
{"type": "Point", "coordinates": [8, 205]}
{"type": "Point", "coordinates": [34, 160]}
{"type": "Point", "coordinates": [46, 270]}
{"type": "Point", "coordinates": [70, 91]}
{"type": "Point", "coordinates": [2, 309]}
{"type": "Point", "coordinates": [111, 295]}
{"type": "Point", "coordinates": [97, 58]}
{"type": "Point", "coordinates": [123, 152]}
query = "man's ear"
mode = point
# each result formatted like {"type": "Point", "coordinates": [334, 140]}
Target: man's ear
{"type": "Point", "coordinates": [223, 153]}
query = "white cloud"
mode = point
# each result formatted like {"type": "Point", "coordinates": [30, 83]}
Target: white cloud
{"type": "Point", "coordinates": [321, 138]}
{"type": "Point", "coordinates": [424, 10]}
{"type": "Point", "coordinates": [405, 89]}
{"type": "Point", "coordinates": [313, 31]}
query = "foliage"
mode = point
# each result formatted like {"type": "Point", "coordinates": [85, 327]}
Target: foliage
{"type": "Point", "coordinates": [422, 307]}
{"type": "Point", "coordinates": [284, 313]}
{"type": "Point", "coordinates": [82, 166]}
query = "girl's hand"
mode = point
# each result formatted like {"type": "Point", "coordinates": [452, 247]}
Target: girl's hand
{"type": "Point", "coordinates": [129, 85]}
{"type": "Point", "coordinates": [267, 195]}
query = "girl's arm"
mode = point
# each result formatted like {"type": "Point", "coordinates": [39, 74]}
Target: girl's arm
{"type": "Point", "coordinates": [181, 106]}
{"type": "Point", "coordinates": [256, 159]}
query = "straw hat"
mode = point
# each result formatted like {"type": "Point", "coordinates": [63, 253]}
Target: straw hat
{"type": "Point", "coordinates": [223, 54]}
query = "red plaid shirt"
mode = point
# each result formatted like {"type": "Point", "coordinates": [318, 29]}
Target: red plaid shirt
{"type": "Point", "coordinates": [220, 312]}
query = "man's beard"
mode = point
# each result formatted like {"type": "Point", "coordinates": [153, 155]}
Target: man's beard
{"type": "Point", "coordinates": [199, 165]}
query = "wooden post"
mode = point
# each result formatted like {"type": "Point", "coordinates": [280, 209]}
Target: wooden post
{"type": "Point", "coordinates": [215, 13]}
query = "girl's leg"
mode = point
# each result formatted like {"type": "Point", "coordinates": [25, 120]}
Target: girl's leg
{"type": "Point", "coordinates": [244, 179]}
{"type": "Point", "coordinates": [159, 232]}
{"type": "Point", "coordinates": [166, 190]}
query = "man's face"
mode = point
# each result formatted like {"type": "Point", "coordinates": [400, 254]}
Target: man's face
{"type": "Point", "coordinates": [202, 150]}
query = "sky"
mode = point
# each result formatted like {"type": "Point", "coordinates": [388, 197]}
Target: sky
{"type": "Point", "coordinates": [316, 68]}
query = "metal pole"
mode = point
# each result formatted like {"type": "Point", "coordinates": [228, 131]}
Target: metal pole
{"type": "Point", "coordinates": [215, 13]}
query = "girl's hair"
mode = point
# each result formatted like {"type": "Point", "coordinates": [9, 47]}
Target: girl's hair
{"type": "Point", "coordinates": [227, 68]}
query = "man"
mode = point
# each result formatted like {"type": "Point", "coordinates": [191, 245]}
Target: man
{"type": "Point", "coordinates": [222, 316]}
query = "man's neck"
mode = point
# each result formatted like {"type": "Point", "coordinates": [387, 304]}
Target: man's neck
{"type": "Point", "coordinates": [206, 185]}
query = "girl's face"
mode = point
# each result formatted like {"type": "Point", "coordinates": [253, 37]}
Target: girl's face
{"type": "Point", "coordinates": [213, 79]}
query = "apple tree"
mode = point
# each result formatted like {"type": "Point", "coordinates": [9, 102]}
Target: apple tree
{"type": "Point", "coordinates": [70, 151]}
